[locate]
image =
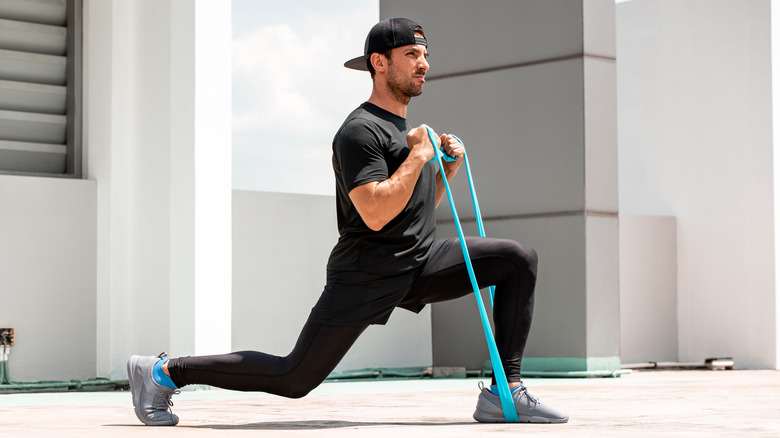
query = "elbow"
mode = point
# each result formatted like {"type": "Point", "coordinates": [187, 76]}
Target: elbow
{"type": "Point", "coordinates": [374, 219]}
{"type": "Point", "coordinates": [375, 224]}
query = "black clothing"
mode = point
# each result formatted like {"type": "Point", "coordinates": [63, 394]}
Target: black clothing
{"type": "Point", "coordinates": [369, 147]}
{"type": "Point", "coordinates": [507, 264]}
{"type": "Point", "coordinates": [369, 272]}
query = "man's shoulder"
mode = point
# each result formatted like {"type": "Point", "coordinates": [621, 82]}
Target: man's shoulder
{"type": "Point", "coordinates": [360, 123]}
{"type": "Point", "coordinates": [371, 116]}
{"type": "Point", "coordinates": [362, 116]}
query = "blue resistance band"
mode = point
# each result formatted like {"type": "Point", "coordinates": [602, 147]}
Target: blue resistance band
{"type": "Point", "coordinates": [507, 404]}
{"type": "Point", "coordinates": [475, 203]}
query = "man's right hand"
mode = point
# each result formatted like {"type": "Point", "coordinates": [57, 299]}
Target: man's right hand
{"type": "Point", "coordinates": [420, 143]}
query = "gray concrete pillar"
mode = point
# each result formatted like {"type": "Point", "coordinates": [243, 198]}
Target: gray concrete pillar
{"type": "Point", "coordinates": [529, 86]}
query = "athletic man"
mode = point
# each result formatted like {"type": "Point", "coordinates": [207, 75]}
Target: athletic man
{"type": "Point", "coordinates": [386, 257]}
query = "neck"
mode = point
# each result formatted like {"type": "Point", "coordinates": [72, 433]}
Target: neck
{"type": "Point", "coordinates": [384, 99]}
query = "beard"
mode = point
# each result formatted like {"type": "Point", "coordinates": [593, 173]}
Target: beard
{"type": "Point", "coordinates": [403, 88]}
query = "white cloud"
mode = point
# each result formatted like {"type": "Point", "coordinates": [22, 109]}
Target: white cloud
{"type": "Point", "coordinates": [290, 94]}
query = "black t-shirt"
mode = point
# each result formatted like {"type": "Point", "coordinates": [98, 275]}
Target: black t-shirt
{"type": "Point", "coordinates": [370, 146]}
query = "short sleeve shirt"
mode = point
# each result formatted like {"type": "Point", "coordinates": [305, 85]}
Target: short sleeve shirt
{"type": "Point", "coordinates": [369, 147]}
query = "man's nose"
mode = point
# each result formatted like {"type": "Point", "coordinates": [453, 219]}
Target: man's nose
{"type": "Point", "coordinates": [423, 63]}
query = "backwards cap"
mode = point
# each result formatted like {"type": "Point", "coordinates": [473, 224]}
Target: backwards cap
{"type": "Point", "coordinates": [385, 35]}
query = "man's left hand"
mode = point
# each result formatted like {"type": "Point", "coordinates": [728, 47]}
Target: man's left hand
{"type": "Point", "coordinates": [453, 148]}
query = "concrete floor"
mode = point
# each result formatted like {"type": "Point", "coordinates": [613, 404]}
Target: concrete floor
{"type": "Point", "coordinates": [646, 403]}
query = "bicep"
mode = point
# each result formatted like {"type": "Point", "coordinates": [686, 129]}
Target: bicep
{"type": "Point", "coordinates": [360, 157]}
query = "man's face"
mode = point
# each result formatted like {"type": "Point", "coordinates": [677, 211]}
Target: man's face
{"type": "Point", "coordinates": [406, 68]}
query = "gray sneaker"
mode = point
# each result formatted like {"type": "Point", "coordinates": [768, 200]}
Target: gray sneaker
{"type": "Point", "coordinates": [529, 408]}
{"type": "Point", "coordinates": [151, 401]}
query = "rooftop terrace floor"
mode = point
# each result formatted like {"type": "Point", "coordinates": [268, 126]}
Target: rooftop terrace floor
{"type": "Point", "coordinates": [689, 403]}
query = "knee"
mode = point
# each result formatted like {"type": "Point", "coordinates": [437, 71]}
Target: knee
{"type": "Point", "coordinates": [301, 388]}
{"type": "Point", "coordinates": [298, 392]}
{"type": "Point", "coordinates": [531, 257]}
{"type": "Point", "coordinates": [524, 257]}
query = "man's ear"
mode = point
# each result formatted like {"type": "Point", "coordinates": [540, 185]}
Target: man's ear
{"type": "Point", "coordinates": [379, 61]}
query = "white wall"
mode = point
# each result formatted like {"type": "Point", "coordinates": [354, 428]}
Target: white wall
{"type": "Point", "coordinates": [47, 276]}
{"type": "Point", "coordinates": [695, 142]}
{"type": "Point", "coordinates": [281, 243]}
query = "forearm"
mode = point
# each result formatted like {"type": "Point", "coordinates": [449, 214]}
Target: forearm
{"type": "Point", "coordinates": [440, 188]}
{"type": "Point", "coordinates": [380, 202]}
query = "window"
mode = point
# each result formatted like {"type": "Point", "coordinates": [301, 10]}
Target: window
{"type": "Point", "coordinates": [40, 87]}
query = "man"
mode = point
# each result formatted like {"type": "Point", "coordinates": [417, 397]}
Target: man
{"type": "Point", "coordinates": [387, 256]}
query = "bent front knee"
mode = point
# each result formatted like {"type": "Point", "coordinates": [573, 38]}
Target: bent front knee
{"type": "Point", "coordinates": [523, 255]}
{"type": "Point", "coordinates": [299, 390]}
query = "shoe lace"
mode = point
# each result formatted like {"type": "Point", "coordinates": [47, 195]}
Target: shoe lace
{"type": "Point", "coordinates": [521, 389]}
{"type": "Point", "coordinates": [528, 395]}
{"type": "Point", "coordinates": [162, 400]}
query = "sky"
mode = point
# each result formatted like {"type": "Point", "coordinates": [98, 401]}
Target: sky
{"type": "Point", "coordinates": [291, 91]}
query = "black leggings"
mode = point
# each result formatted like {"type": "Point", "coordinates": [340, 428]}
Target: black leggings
{"type": "Point", "coordinates": [509, 265]}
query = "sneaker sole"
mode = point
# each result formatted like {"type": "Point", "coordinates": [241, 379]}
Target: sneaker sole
{"type": "Point", "coordinates": [487, 418]}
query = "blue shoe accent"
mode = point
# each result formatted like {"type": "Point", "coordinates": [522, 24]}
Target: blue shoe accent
{"type": "Point", "coordinates": [160, 377]}
{"type": "Point", "coordinates": [494, 389]}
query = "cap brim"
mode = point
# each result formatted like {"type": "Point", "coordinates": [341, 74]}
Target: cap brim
{"type": "Point", "coordinates": [358, 63]}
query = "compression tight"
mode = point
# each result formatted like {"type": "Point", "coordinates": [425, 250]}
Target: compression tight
{"type": "Point", "coordinates": [507, 264]}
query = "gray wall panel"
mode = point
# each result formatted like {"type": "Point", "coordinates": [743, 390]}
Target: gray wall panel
{"type": "Point", "coordinates": [523, 129]}
{"type": "Point", "coordinates": [602, 298]}
{"type": "Point", "coordinates": [559, 313]}
{"type": "Point", "coordinates": [601, 158]}
{"type": "Point", "coordinates": [531, 91]}
{"type": "Point", "coordinates": [467, 35]}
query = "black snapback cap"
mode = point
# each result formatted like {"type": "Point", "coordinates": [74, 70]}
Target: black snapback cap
{"type": "Point", "coordinates": [385, 35]}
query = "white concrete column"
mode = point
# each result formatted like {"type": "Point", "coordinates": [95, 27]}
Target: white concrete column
{"type": "Point", "coordinates": [107, 147]}
{"type": "Point", "coordinates": [201, 177]}
{"type": "Point", "coordinates": [775, 26]}
{"type": "Point", "coordinates": [157, 135]}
